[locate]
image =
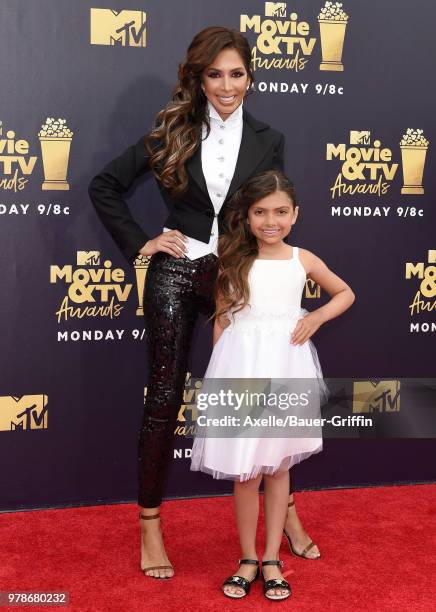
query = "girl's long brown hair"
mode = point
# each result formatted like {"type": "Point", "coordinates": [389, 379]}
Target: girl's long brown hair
{"type": "Point", "coordinates": [177, 129]}
{"type": "Point", "coordinates": [237, 247]}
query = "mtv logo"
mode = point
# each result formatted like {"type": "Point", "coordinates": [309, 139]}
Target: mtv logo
{"type": "Point", "coordinates": [275, 9]}
{"type": "Point", "coordinates": [23, 412]}
{"type": "Point", "coordinates": [432, 256]}
{"type": "Point", "coordinates": [312, 289]}
{"type": "Point", "coordinates": [124, 28]}
{"type": "Point", "coordinates": [360, 138]}
{"type": "Point", "coordinates": [376, 395]}
{"type": "Point", "coordinates": [88, 258]}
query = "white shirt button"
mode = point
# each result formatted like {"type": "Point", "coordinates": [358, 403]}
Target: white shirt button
{"type": "Point", "coordinates": [219, 195]}
{"type": "Point", "coordinates": [222, 126]}
{"type": "Point", "coordinates": [221, 158]}
{"type": "Point", "coordinates": [221, 140]}
{"type": "Point", "coordinates": [221, 175]}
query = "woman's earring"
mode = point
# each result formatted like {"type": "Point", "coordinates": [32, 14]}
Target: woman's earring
{"type": "Point", "coordinates": [203, 88]}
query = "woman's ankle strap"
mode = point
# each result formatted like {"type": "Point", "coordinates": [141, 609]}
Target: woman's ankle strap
{"type": "Point", "coordinates": [144, 517]}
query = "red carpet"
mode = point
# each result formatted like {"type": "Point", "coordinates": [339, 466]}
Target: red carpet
{"type": "Point", "coordinates": [378, 547]}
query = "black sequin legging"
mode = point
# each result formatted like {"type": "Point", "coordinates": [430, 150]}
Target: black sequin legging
{"type": "Point", "coordinates": [176, 291]}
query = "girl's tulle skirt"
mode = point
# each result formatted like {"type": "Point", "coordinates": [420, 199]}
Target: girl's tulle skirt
{"type": "Point", "coordinates": [250, 351]}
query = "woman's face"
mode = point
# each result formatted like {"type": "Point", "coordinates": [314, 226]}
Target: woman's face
{"type": "Point", "coordinates": [272, 217]}
{"type": "Point", "coordinates": [225, 82]}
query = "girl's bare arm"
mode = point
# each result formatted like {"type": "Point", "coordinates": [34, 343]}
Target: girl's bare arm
{"type": "Point", "coordinates": [341, 297]}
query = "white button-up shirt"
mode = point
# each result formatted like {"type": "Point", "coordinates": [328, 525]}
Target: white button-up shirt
{"type": "Point", "coordinates": [219, 154]}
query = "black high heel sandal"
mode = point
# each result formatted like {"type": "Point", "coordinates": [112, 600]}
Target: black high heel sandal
{"type": "Point", "coordinates": [144, 517]}
{"type": "Point", "coordinates": [240, 581]}
{"type": "Point", "coordinates": [304, 552]}
{"type": "Point", "coordinates": [275, 583]}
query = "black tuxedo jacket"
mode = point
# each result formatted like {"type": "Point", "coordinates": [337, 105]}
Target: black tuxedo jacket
{"type": "Point", "coordinates": [192, 213]}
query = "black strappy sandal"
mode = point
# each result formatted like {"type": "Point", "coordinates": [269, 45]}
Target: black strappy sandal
{"type": "Point", "coordinates": [275, 583]}
{"type": "Point", "coordinates": [144, 517]}
{"type": "Point", "coordinates": [240, 581]}
{"type": "Point", "coordinates": [304, 552]}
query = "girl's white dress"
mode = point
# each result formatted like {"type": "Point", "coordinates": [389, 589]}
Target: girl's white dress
{"type": "Point", "coordinates": [257, 344]}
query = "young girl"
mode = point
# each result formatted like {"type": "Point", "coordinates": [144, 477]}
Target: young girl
{"type": "Point", "coordinates": [261, 331]}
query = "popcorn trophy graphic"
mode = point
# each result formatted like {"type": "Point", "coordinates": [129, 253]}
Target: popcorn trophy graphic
{"type": "Point", "coordinates": [332, 24]}
{"type": "Point", "coordinates": [413, 147]}
{"type": "Point", "coordinates": [55, 140]}
{"type": "Point", "coordinates": [141, 266]}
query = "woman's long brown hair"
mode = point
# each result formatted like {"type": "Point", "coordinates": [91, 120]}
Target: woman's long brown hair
{"type": "Point", "coordinates": [237, 247]}
{"type": "Point", "coordinates": [178, 127]}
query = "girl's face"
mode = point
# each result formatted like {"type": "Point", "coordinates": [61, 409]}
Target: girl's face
{"type": "Point", "coordinates": [225, 82]}
{"type": "Point", "coordinates": [271, 218]}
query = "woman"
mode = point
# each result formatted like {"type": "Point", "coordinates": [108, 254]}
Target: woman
{"type": "Point", "coordinates": [203, 146]}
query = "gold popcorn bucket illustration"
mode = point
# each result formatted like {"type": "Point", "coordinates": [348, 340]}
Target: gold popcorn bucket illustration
{"type": "Point", "coordinates": [141, 264]}
{"type": "Point", "coordinates": [332, 43]}
{"type": "Point", "coordinates": [413, 161]}
{"type": "Point", "coordinates": [55, 156]}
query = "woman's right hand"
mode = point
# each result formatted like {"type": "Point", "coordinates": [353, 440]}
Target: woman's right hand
{"type": "Point", "coordinates": [171, 242]}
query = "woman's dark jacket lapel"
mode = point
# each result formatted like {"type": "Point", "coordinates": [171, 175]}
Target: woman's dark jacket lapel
{"type": "Point", "coordinates": [192, 213]}
{"type": "Point", "coordinates": [251, 152]}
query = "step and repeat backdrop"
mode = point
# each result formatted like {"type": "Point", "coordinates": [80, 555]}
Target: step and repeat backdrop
{"type": "Point", "coordinates": [351, 85]}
